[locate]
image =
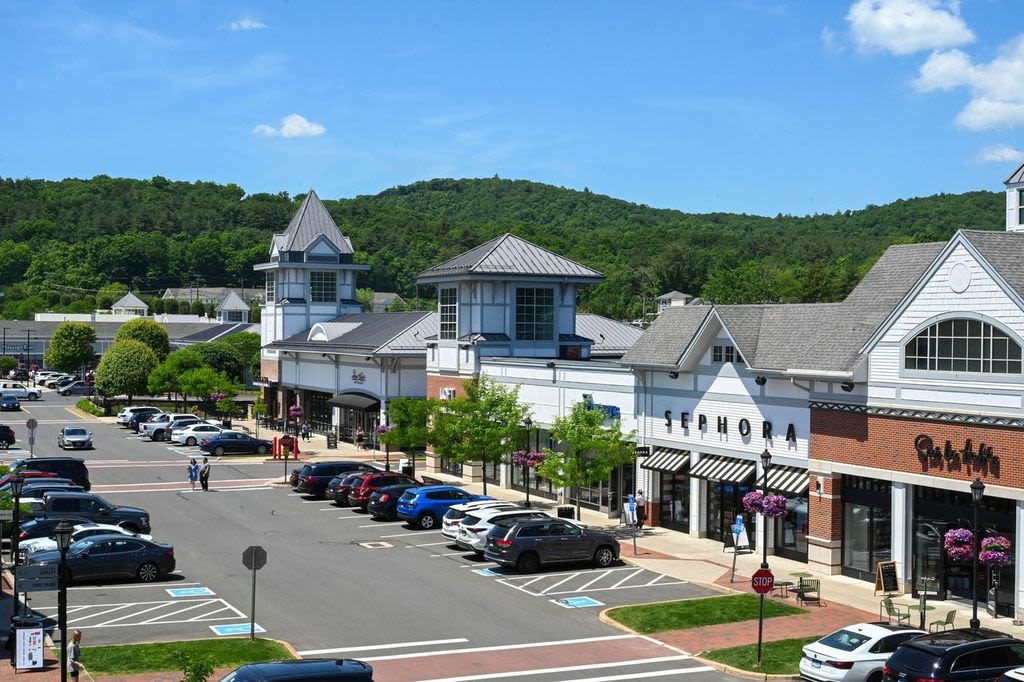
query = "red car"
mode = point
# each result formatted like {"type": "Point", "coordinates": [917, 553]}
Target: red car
{"type": "Point", "coordinates": [6, 478]}
{"type": "Point", "coordinates": [360, 496]}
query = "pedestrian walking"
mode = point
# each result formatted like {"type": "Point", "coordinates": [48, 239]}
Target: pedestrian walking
{"type": "Point", "coordinates": [74, 664]}
{"type": "Point", "coordinates": [641, 508]}
{"type": "Point", "coordinates": [305, 430]}
{"type": "Point", "coordinates": [193, 473]}
{"type": "Point", "coordinates": [204, 475]}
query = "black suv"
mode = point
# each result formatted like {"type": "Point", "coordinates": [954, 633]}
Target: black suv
{"type": "Point", "coordinates": [529, 544]}
{"type": "Point", "coordinates": [6, 436]}
{"type": "Point", "coordinates": [65, 467]}
{"type": "Point", "coordinates": [962, 655]}
{"type": "Point", "coordinates": [314, 477]}
{"type": "Point", "coordinates": [302, 671]}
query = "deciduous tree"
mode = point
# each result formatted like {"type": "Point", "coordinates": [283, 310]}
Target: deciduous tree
{"type": "Point", "coordinates": [125, 368]}
{"type": "Point", "coordinates": [166, 377]}
{"type": "Point", "coordinates": [148, 332]}
{"type": "Point", "coordinates": [70, 346]}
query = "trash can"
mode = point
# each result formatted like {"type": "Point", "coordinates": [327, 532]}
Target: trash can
{"type": "Point", "coordinates": [567, 512]}
{"type": "Point", "coordinates": [405, 466]}
{"type": "Point", "coordinates": [226, 423]}
{"type": "Point", "coordinates": [25, 623]}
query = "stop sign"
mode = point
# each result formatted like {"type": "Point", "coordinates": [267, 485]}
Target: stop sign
{"type": "Point", "coordinates": [762, 581]}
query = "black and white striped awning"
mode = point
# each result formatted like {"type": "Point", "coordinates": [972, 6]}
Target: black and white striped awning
{"type": "Point", "coordinates": [667, 459]}
{"type": "Point", "coordinates": [725, 469]}
{"type": "Point", "coordinates": [788, 480]}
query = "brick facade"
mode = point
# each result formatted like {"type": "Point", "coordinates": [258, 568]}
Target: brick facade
{"type": "Point", "coordinates": [435, 382]}
{"type": "Point", "coordinates": [269, 368]}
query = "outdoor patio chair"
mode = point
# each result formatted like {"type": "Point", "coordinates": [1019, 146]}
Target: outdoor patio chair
{"type": "Point", "coordinates": [943, 623]}
{"type": "Point", "coordinates": [808, 591]}
{"type": "Point", "coordinates": [894, 611]}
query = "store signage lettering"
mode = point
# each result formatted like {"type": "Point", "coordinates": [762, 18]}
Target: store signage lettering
{"type": "Point", "coordinates": [358, 377]}
{"type": "Point", "coordinates": [723, 425]}
{"type": "Point", "coordinates": [931, 453]}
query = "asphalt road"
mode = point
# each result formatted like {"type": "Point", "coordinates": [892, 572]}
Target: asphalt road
{"type": "Point", "coordinates": [338, 583]}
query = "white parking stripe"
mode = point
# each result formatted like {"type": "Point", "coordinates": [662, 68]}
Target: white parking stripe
{"type": "Point", "coordinates": [563, 580]}
{"type": "Point", "coordinates": [659, 577]}
{"type": "Point", "coordinates": [600, 577]}
{"type": "Point", "coordinates": [549, 671]}
{"type": "Point", "coordinates": [429, 544]}
{"type": "Point", "coordinates": [381, 647]}
{"type": "Point", "coordinates": [100, 613]}
{"type": "Point", "coordinates": [502, 647]}
{"type": "Point", "coordinates": [644, 675]}
{"type": "Point", "coordinates": [462, 553]}
{"type": "Point", "coordinates": [405, 535]}
{"type": "Point", "coordinates": [624, 587]}
{"type": "Point", "coordinates": [634, 573]}
{"type": "Point", "coordinates": [174, 613]}
{"type": "Point", "coordinates": [129, 587]}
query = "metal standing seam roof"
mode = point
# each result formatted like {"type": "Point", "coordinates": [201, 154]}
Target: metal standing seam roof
{"type": "Point", "coordinates": [361, 332]}
{"type": "Point", "coordinates": [609, 336]}
{"type": "Point", "coordinates": [130, 300]}
{"type": "Point", "coordinates": [509, 255]}
{"type": "Point", "coordinates": [233, 302]}
{"type": "Point", "coordinates": [219, 331]}
{"type": "Point", "coordinates": [309, 223]}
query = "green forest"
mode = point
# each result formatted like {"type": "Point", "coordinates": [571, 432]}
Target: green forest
{"type": "Point", "coordinates": [73, 244]}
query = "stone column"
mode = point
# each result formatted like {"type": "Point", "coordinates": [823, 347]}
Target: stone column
{"type": "Point", "coordinates": [824, 513]}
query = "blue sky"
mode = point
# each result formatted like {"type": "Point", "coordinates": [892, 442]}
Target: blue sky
{"type": "Point", "coordinates": [728, 105]}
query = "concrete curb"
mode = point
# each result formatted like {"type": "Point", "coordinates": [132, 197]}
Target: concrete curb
{"type": "Point", "coordinates": [745, 674]}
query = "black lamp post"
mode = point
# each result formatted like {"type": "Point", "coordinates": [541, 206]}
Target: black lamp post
{"type": "Point", "coordinates": [977, 494]}
{"type": "Point", "coordinates": [528, 423]}
{"type": "Point", "coordinates": [62, 533]}
{"type": "Point", "coordinates": [17, 480]}
{"type": "Point", "coordinates": [766, 461]}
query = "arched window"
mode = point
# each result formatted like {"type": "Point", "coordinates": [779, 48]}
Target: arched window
{"type": "Point", "coordinates": [963, 346]}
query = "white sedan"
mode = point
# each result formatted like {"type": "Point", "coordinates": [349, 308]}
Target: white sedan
{"type": "Point", "coordinates": [453, 517]}
{"type": "Point", "coordinates": [856, 653]}
{"type": "Point", "coordinates": [194, 433]}
{"type": "Point", "coordinates": [476, 524]}
{"type": "Point", "coordinates": [82, 530]}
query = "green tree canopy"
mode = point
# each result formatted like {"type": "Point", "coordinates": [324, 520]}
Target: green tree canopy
{"type": "Point", "coordinates": [7, 363]}
{"type": "Point", "coordinates": [484, 425]}
{"type": "Point", "coordinates": [589, 450]}
{"type": "Point", "coordinates": [148, 332]}
{"type": "Point", "coordinates": [408, 419]}
{"type": "Point", "coordinates": [222, 358]}
{"type": "Point", "coordinates": [166, 377]}
{"type": "Point", "coordinates": [201, 383]}
{"type": "Point", "coordinates": [71, 346]}
{"type": "Point", "coordinates": [125, 368]}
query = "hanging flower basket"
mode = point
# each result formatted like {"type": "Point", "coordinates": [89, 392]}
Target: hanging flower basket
{"type": "Point", "coordinates": [959, 544]}
{"type": "Point", "coordinates": [295, 412]}
{"type": "Point", "coordinates": [531, 459]}
{"type": "Point", "coordinates": [771, 506]}
{"type": "Point", "coordinates": [383, 428]}
{"type": "Point", "coordinates": [995, 551]}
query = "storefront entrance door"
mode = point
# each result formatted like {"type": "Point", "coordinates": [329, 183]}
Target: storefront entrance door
{"type": "Point", "coordinates": [725, 501]}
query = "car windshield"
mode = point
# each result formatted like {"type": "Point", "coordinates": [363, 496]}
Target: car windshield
{"type": "Point", "coordinates": [844, 640]}
{"type": "Point", "coordinates": [74, 432]}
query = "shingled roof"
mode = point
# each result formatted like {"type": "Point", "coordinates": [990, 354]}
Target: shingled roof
{"type": "Point", "coordinates": [510, 256]}
{"type": "Point", "coordinates": [1004, 251]}
{"type": "Point", "coordinates": [367, 334]}
{"type": "Point", "coordinates": [232, 302]}
{"type": "Point", "coordinates": [309, 223]}
{"type": "Point", "coordinates": [663, 343]}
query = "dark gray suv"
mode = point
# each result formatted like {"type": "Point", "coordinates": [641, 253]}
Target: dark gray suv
{"type": "Point", "coordinates": [532, 543]}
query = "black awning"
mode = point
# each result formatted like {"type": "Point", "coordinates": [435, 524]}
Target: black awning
{"type": "Point", "coordinates": [356, 401]}
{"type": "Point", "coordinates": [788, 480]}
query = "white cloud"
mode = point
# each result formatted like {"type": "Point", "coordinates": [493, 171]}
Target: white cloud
{"type": "Point", "coordinates": [996, 88]}
{"type": "Point", "coordinates": [246, 24]}
{"type": "Point", "coordinates": [292, 125]}
{"type": "Point", "coordinates": [1000, 153]}
{"type": "Point", "coordinates": [907, 26]}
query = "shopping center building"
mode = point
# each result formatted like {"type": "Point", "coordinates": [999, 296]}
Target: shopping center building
{"type": "Point", "coordinates": [878, 412]}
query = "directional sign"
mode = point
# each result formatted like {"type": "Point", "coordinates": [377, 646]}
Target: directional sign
{"type": "Point", "coordinates": [762, 581]}
{"type": "Point", "coordinates": [38, 585]}
{"type": "Point", "coordinates": [48, 571]}
{"type": "Point", "coordinates": [28, 648]}
{"type": "Point", "coordinates": [31, 424]}
{"type": "Point", "coordinates": [254, 557]}
{"type": "Point", "coordinates": [6, 514]}
{"type": "Point", "coordinates": [642, 451]}
{"type": "Point", "coordinates": [234, 629]}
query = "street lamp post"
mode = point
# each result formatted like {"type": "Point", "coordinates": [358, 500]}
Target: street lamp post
{"type": "Point", "coordinates": [977, 494]}
{"type": "Point", "coordinates": [766, 461]}
{"type": "Point", "coordinates": [62, 533]}
{"type": "Point", "coordinates": [526, 461]}
{"type": "Point", "coordinates": [17, 480]}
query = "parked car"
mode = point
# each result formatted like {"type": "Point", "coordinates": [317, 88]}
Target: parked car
{"type": "Point", "coordinates": [136, 421]}
{"type": "Point", "coordinates": [9, 403]}
{"type": "Point", "coordinates": [80, 532]}
{"type": "Point", "coordinates": [359, 496]}
{"type": "Point", "coordinates": [112, 556]}
{"type": "Point", "coordinates": [529, 545]}
{"type": "Point", "coordinates": [195, 433]}
{"type": "Point", "coordinates": [474, 527]}
{"type": "Point", "coordinates": [42, 375]}
{"type": "Point", "coordinates": [53, 382]}
{"type": "Point", "coordinates": [91, 507]}
{"type": "Point", "coordinates": [34, 482]}
{"type": "Point", "coordinates": [315, 477]}
{"type": "Point", "coordinates": [20, 390]}
{"type": "Point", "coordinates": [383, 504]}
{"type": "Point", "coordinates": [305, 670]}
{"type": "Point", "coordinates": [66, 467]}
{"type": "Point", "coordinates": [855, 653]}
{"type": "Point", "coordinates": [74, 437]}
{"type": "Point", "coordinates": [954, 655]}
{"type": "Point", "coordinates": [47, 485]}
{"type": "Point", "coordinates": [5, 480]}
{"type": "Point", "coordinates": [6, 436]}
{"type": "Point", "coordinates": [42, 527]}
{"type": "Point", "coordinates": [159, 427]}
{"type": "Point", "coordinates": [235, 443]}
{"type": "Point", "coordinates": [424, 507]}
{"type": "Point", "coordinates": [453, 517]}
{"type": "Point", "coordinates": [127, 413]}
{"type": "Point", "coordinates": [20, 374]}
{"type": "Point", "coordinates": [77, 388]}
{"type": "Point", "coordinates": [339, 487]}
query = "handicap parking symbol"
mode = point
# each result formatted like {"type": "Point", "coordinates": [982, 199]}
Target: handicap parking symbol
{"type": "Point", "coordinates": [577, 602]}
{"type": "Point", "coordinates": [484, 571]}
{"type": "Point", "coordinates": [234, 629]}
{"type": "Point", "coordinates": [190, 592]}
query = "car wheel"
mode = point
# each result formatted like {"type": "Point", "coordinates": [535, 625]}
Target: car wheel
{"type": "Point", "coordinates": [426, 522]}
{"type": "Point", "coordinates": [604, 557]}
{"type": "Point", "coordinates": [528, 563]}
{"type": "Point", "coordinates": [148, 572]}
{"type": "Point", "coordinates": [34, 396]}
{"type": "Point", "coordinates": [219, 451]}
{"type": "Point", "coordinates": [875, 676]}
{"type": "Point", "coordinates": [190, 441]}
{"type": "Point", "coordinates": [261, 449]}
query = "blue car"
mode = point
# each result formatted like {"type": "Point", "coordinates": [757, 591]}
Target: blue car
{"type": "Point", "coordinates": [424, 507]}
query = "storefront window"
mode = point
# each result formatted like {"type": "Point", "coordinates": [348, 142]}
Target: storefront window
{"type": "Point", "coordinates": [675, 501]}
{"type": "Point", "coordinates": [867, 526]}
{"type": "Point", "coordinates": [791, 530]}
{"type": "Point", "coordinates": [538, 486]}
{"type": "Point", "coordinates": [492, 471]}
{"type": "Point", "coordinates": [725, 502]}
{"type": "Point", "coordinates": [450, 466]}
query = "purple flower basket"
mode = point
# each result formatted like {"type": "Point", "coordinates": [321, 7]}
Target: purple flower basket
{"type": "Point", "coordinates": [959, 544]}
{"type": "Point", "coordinates": [771, 506]}
{"type": "Point", "coordinates": [995, 551]}
{"type": "Point", "coordinates": [531, 459]}
{"type": "Point", "coordinates": [383, 428]}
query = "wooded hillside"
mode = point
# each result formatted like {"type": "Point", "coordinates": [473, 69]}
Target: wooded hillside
{"type": "Point", "coordinates": [60, 242]}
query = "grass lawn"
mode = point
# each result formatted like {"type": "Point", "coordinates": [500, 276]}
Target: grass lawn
{"type": "Point", "coordinates": [777, 658]}
{"type": "Point", "coordinates": [695, 613]}
{"type": "Point", "coordinates": [144, 658]}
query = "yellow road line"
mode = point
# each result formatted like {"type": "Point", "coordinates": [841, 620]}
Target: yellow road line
{"type": "Point", "coordinates": [81, 414]}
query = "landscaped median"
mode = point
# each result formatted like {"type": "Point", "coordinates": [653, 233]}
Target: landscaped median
{"type": "Point", "coordinates": [725, 619]}
{"type": "Point", "coordinates": [130, 659]}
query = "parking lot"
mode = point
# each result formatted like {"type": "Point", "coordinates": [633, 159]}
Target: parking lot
{"type": "Point", "coordinates": [339, 583]}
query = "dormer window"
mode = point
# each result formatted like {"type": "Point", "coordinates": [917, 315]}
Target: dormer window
{"type": "Point", "coordinates": [1020, 207]}
{"type": "Point", "coordinates": [724, 354]}
{"type": "Point", "coordinates": [962, 345]}
{"type": "Point", "coordinates": [323, 287]}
